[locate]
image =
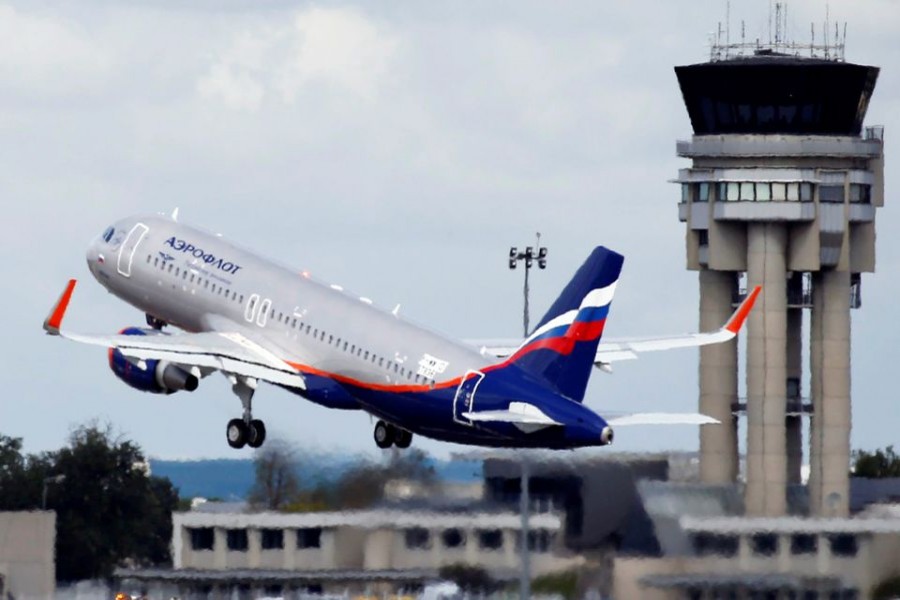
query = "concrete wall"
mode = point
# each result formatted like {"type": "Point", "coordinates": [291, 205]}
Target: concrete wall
{"type": "Point", "coordinates": [27, 553]}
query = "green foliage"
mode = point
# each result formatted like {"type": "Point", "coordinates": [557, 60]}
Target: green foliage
{"type": "Point", "coordinates": [876, 465]}
{"type": "Point", "coordinates": [109, 511]}
{"type": "Point", "coordinates": [469, 578]}
{"type": "Point", "coordinates": [889, 588]}
{"type": "Point", "coordinates": [564, 583]}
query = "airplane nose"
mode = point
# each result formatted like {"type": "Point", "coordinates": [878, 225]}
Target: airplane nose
{"type": "Point", "coordinates": [94, 256]}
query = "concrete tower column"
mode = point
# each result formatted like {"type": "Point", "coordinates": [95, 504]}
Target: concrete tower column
{"type": "Point", "coordinates": [793, 424]}
{"type": "Point", "coordinates": [829, 483]}
{"type": "Point", "coordinates": [718, 382]}
{"type": "Point", "coordinates": [766, 371]}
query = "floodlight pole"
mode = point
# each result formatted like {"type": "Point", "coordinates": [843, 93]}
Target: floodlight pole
{"type": "Point", "coordinates": [529, 256]}
{"type": "Point", "coordinates": [524, 507]}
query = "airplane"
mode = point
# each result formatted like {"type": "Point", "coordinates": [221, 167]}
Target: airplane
{"type": "Point", "coordinates": [254, 320]}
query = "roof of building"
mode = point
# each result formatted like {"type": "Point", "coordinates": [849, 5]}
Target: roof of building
{"type": "Point", "coordinates": [367, 519]}
{"type": "Point", "coordinates": [788, 525]}
{"type": "Point", "coordinates": [275, 575]}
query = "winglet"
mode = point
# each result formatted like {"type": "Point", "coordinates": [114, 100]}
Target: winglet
{"type": "Point", "coordinates": [54, 320]}
{"type": "Point", "coordinates": [736, 321]}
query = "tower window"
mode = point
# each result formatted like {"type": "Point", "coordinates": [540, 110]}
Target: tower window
{"type": "Point", "coordinates": [779, 192]}
{"type": "Point", "coordinates": [746, 191]}
{"type": "Point", "coordinates": [831, 193]}
{"type": "Point", "coordinates": [763, 192]}
{"type": "Point", "coordinates": [702, 194]}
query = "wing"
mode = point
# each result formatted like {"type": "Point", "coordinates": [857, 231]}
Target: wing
{"type": "Point", "coordinates": [232, 353]}
{"type": "Point", "coordinates": [630, 348]}
{"type": "Point", "coordinates": [662, 419]}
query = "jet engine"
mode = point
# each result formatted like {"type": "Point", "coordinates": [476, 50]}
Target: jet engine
{"type": "Point", "coordinates": [159, 376]}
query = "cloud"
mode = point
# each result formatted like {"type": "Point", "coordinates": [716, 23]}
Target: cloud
{"type": "Point", "coordinates": [336, 47]}
{"type": "Point", "coordinates": [42, 55]}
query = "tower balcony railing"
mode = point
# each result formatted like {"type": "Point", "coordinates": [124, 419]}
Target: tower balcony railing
{"type": "Point", "coordinates": [793, 407]}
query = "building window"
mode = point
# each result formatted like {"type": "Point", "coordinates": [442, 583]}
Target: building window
{"type": "Point", "coordinates": [272, 539]}
{"type": "Point", "coordinates": [539, 541]}
{"type": "Point", "coordinates": [309, 537]}
{"type": "Point", "coordinates": [237, 539]}
{"type": "Point", "coordinates": [417, 537]}
{"type": "Point", "coordinates": [763, 192]}
{"type": "Point", "coordinates": [804, 543]}
{"type": "Point", "coordinates": [764, 544]}
{"type": "Point", "coordinates": [831, 193]}
{"type": "Point", "coordinates": [453, 538]}
{"type": "Point", "coordinates": [685, 192]}
{"type": "Point", "coordinates": [806, 192]}
{"type": "Point", "coordinates": [702, 193]}
{"type": "Point", "coordinates": [779, 192]}
{"type": "Point", "coordinates": [490, 539]}
{"type": "Point", "coordinates": [703, 237]}
{"type": "Point", "coordinates": [713, 544]}
{"type": "Point", "coordinates": [202, 538]}
{"type": "Point", "coordinates": [747, 191]}
{"type": "Point", "coordinates": [793, 192]}
{"type": "Point", "coordinates": [860, 193]}
{"type": "Point", "coordinates": [843, 544]}
{"type": "Point", "coordinates": [733, 191]}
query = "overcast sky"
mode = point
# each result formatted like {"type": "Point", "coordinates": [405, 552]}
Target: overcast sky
{"type": "Point", "coordinates": [396, 148]}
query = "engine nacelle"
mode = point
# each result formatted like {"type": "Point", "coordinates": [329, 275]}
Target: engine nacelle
{"type": "Point", "coordinates": [160, 377]}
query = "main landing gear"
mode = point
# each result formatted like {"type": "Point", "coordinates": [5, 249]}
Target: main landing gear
{"type": "Point", "coordinates": [245, 431]}
{"type": "Point", "coordinates": [387, 435]}
{"type": "Point", "coordinates": [155, 323]}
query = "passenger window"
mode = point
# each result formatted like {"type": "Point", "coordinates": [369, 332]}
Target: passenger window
{"type": "Point", "coordinates": [396, 367]}
{"type": "Point", "coordinates": [367, 355]}
{"type": "Point", "coordinates": [177, 271]}
{"type": "Point", "coordinates": [170, 267]}
{"type": "Point", "coordinates": [345, 346]}
{"type": "Point", "coordinates": [330, 339]}
{"type": "Point", "coordinates": [307, 329]}
{"type": "Point", "coordinates": [184, 275]}
{"type": "Point", "coordinates": [192, 278]}
{"type": "Point", "coordinates": [155, 261]}
{"type": "Point", "coordinates": [241, 300]}
{"type": "Point", "coordinates": [381, 362]}
{"type": "Point", "coordinates": [322, 335]}
{"type": "Point", "coordinates": [315, 331]}
{"type": "Point", "coordinates": [148, 259]}
{"type": "Point", "coordinates": [206, 283]}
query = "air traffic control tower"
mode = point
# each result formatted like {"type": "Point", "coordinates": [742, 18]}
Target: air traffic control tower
{"type": "Point", "coordinates": [782, 192]}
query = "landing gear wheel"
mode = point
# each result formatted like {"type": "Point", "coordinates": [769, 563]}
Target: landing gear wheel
{"type": "Point", "coordinates": [256, 433]}
{"type": "Point", "coordinates": [236, 433]}
{"type": "Point", "coordinates": [403, 438]}
{"type": "Point", "coordinates": [384, 434]}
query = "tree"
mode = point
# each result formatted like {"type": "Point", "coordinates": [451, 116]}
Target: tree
{"type": "Point", "coordinates": [876, 465]}
{"type": "Point", "coordinates": [110, 512]}
{"type": "Point", "coordinates": [363, 485]}
{"type": "Point", "coordinates": [276, 484]}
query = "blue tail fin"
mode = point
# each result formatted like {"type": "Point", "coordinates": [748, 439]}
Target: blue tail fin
{"type": "Point", "coordinates": [561, 349]}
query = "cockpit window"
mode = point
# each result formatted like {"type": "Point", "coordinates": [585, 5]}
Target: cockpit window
{"type": "Point", "coordinates": [107, 235]}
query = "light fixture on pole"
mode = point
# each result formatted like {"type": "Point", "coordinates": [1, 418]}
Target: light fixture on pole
{"type": "Point", "coordinates": [530, 255]}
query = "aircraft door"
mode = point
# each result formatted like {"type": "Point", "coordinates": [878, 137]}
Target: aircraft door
{"type": "Point", "coordinates": [129, 247]}
{"type": "Point", "coordinates": [464, 400]}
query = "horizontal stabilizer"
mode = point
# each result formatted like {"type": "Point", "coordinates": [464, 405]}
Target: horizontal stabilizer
{"type": "Point", "coordinates": [662, 419]}
{"type": "Point", "coordinates": [518, 412]}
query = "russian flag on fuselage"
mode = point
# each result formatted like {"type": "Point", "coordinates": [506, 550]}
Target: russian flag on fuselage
{"type": "Point", "coordinates": [561, 349]}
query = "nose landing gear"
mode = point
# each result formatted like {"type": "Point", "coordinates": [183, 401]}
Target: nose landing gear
{"type": "Point", "coordinates": [387, 435]}
{"type": "Point", "coordinates": [245, 431]}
